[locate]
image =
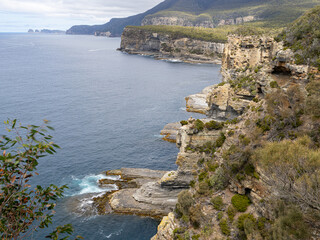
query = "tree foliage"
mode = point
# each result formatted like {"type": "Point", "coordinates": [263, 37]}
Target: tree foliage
{"type": "Point", "coordinates": [293, 168]}
{"type": "Point", "coordinates": [24, 208]}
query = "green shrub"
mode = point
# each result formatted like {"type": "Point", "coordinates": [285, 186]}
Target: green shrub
{"type": "Point", "coordinates": [195, 237]}
{"type": "Point", "coordinates": [184, 122]}
{"type": "Point", "coordinates": [204, 188]}
{"type": "Point", "coordinates": [240, 202]}
{"type": "Point", "coordinates": [217, 203]}
{"type": "Point", "coordinates": [219, 180]}
{"type": "Point", "coordinates": [199, 125]}
{"type": "Point", "coordinates": [265, 123]}
{"type": "Point", "coordinates": [244, 140]}
{"type": "Point", "coordinates": [242, 218]}
{"type": "Point", "coordinates": [214, 125]}
{"type": "Point", "coordinates": [220, 215]}
{"type": "Point", "coordinates": [212, 166]}
{"type": "Point", "coordinates": [274, 84]}
{"type": "Point", "coordinates": [220, 141]}
{"type": "Point", "coordinates": [224, 227]}
{"type": "Point", "coordinates": [185, 201]}
{"type": "Point", "coordinates": [192, 183]}
{"type": "Point", "coordinates": [202, 176]}
{"type": "Point", "coordinates": [195, 216]}
{"type": "Point", "coordinates": [231, 211]}
{"type": "Point", "coordinates": [299, 162]}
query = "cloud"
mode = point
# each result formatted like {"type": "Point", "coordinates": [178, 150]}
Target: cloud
{"type": "Point", "coordinates": [66, 13]}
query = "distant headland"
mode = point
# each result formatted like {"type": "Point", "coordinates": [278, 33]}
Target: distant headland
{"type": "Point", "coordinates": [47, 31]}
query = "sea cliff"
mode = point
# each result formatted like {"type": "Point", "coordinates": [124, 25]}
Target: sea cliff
{"type": "Point", "coordinates": [235, 194]}
{"type": "Point", "coordinates": [163, 45]}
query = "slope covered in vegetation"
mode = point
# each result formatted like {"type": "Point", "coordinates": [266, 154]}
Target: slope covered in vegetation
{"type": "Point", "coordinates": [303, 37]}
{"type": "Point", "coordinates": [270, 13]}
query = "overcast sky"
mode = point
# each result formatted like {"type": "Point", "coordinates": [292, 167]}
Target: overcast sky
{"type": "Point", "coordinates": [20, 15]}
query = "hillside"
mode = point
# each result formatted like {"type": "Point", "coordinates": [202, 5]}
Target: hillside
{"type": "Point", "coordinates": [303, 37]}
{"type": "Point", "coordinates": [208, 13]}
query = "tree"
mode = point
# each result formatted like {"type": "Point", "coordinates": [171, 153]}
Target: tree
{"type": "Point", "coordinates": [293, 169]}
{"type": "Point", "coordinates": [23, 208]}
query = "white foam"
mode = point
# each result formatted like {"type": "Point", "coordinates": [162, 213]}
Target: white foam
{"type": "Point", "coordinates": [89, 184]}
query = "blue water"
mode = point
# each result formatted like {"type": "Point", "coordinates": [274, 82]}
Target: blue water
{"type": "Point", "coordinates": [107, 108]}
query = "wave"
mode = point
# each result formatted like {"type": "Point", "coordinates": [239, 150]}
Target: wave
{"type": "Point", "coordinates": [90, 184]}
{"type": "Point", "coordinates": [97, 50]}
{"type": "Point", "coordinates": [172, 60]}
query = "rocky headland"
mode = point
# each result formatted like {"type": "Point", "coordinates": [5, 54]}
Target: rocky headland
{"type": "Point", "coordinates": [250, 168]}
{"type": "Point", "coordinates": [168, 46]}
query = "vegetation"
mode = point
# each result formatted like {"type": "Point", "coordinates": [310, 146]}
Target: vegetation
{"type": "Point", "coordinates": [217, 203]}
{"type": "Point", "coordinates": [199, 125]}
{"type": "Point", "coordinates": [224, 227]}
{"type": "Point", "coordinates": [214, 125]}
{"type": "Point", "coordinates": [185, 201]}
{"type": "Point", "coordinates": [293, 167]}
{"type": "Point", "coordinates": [25, 209]}
{"type": "Point", "coordinates": [242, 218]}
{"type": "Point", "coordinates": [240, 202]}
{"type": "Point", "coordinates": [184, 122]}
{"type": "Point", "coordinates": [231, 211]}
{"type": "Point", "coordinates": [218, 34]}
{"type": "Point", "coordinates": [218, 180]}
{"type": "Point", "coordinates": [303, 37]}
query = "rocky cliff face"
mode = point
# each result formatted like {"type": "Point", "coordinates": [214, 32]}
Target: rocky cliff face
{"type": "Point", "coordinates": [177, 21]}
{"type": "Point", "coordinates": [255, 70]}
{"type": "Point", "coordinates": [187, 22]}
{"type": "Point", "coordinates": [161, 45]}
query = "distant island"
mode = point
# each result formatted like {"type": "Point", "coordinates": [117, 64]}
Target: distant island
{"type": "Point", "coordinates": [47, 31]}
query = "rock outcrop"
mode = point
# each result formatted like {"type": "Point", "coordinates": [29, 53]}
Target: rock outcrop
{"type": "Point", "coordinates": [198, 102]}
{"type": "Point", "coordinates": [205, 22]}
{"type": "Point", "coordinates": [170, 131]}
{"type": "Point", "coordinates": [166, 46]}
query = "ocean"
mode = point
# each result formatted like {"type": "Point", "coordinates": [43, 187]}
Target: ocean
{"type": "Point", "coordinates": [107, 109]}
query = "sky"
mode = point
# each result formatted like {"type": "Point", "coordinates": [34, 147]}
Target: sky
{"type": "Point", "coordinates": [21, 15]}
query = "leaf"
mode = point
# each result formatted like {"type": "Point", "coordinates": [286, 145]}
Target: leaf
{"type": "Point", "coordinates": [13, 179]}
{"type": "Point", "coordinates": [27, 185]}
{"type": "Point", "coordinates": [14, 123]}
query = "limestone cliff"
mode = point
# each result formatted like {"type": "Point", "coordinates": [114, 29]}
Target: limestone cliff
{"type": "Point", "coordinates": [162, 45]}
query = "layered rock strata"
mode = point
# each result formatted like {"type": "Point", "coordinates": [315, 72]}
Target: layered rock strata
{"type": "Point", "coordinates": [166, 46]}
{"type": "Point", "coordinates": [207, 22]}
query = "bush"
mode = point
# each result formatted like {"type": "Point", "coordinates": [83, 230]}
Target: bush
{"type": "Point", "coordinates": [242, 218]}
{"type": "Point", "coordinates": [204, 188]}
{"type": "Point", "coordinates": [290, 224]}
{"type": "Point", "coordinates": [214, 125]}
{"type": "Point", "coordinates": [293, 168]}
{"type": "Point", "coordinates": [185, 201]}
{"type": "Point", "coordinates": [195, 216]}
{"type": "Point", "coordinates": [240, 202]}
{"type": "Point", "coordinates": [219, 180]}
{"type": "Point", "coordinates": [184, 122]}
{"type": "Point", "coordinates": [199, 125]}
{"type": "Point", "coordinates": [224, 227]}
{"type": "Point", "coordinates": [274, 84]}
{"type": "Point", "coordinates": [265, 123]}
{"type": "Point", "coordinates": [231, 211]}
{"type": "Point", "coordinates": [217, 203]}
{"type": "Point", "coordinates": [220, 215]}
{"type": "Point", "coordinates": [220, 141]}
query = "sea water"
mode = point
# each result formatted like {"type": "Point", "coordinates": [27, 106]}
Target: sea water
{"type": "Point", "coordinates": [107, 109]}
